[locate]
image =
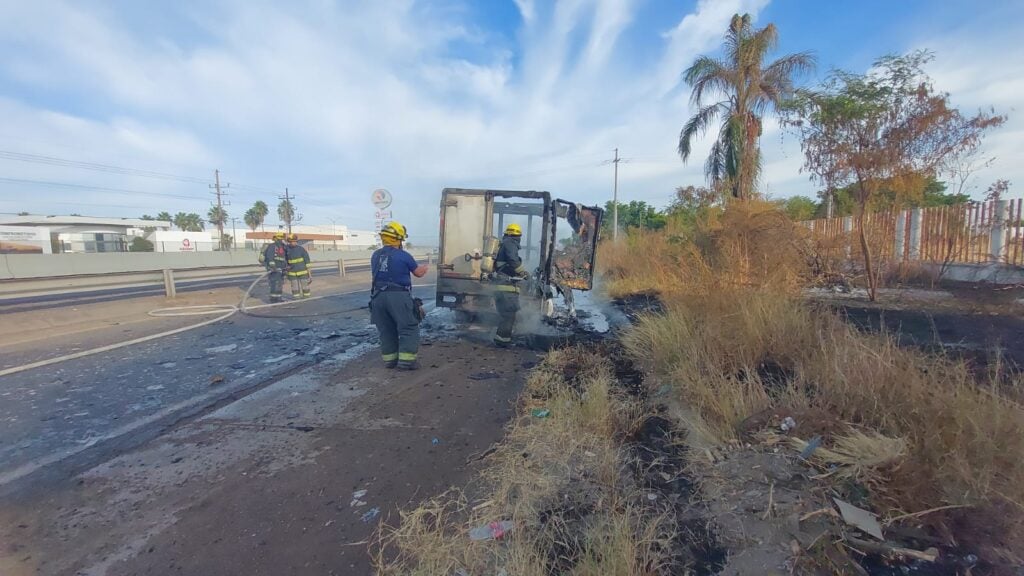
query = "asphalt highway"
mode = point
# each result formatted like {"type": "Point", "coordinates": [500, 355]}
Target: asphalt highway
{"type": "Point", "coordinates": [53, 301]}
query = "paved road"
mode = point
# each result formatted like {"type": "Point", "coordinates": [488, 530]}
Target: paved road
{"type": "Point", "coordinates": [70, 415]}
{"type": "Point", "coordinates": [52, 301]}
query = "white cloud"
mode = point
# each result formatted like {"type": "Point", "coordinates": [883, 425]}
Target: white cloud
{"type": "Point", "coordinates": [334, 101]}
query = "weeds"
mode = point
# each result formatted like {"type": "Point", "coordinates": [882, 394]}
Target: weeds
{"type": "Point", "coordinates": [563, 481]}
{"type": "Point", "coordinates": [924, 432]}
{"type": "Point", "coordinates": [736, 342]}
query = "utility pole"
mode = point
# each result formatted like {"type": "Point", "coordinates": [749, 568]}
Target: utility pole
{"type": "Point", "coordinates": [234, 233]}
{"type": "Point", "coordinates": [291, 209]}
{"type": "Point", "coordinates": [615, 199]}
{"type": "Point", "coordinates": [220, 205]}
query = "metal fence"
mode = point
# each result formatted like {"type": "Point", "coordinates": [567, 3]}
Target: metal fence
{"type": "Point", "coordinates": [973, 232]}
{"type": "Point", "coordinates": [178, 246]}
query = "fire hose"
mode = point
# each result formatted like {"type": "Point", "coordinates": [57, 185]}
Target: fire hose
{"type": "Point", "coordinates": [222, 312]}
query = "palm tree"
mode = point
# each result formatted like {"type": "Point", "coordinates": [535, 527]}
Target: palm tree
{"type": "Point", "coordinates": [261, 209]}
{"type": "Point", "coordinates": [252, 219]}
{"type": "Point", "coordinates": [165, 217]}
{"type": "Point", "coordinates": [286, 212]}
{"type": "Point", "coordinates": [217, 216]}
{"type": "Point", "coordinates": [190, 222]}
{"type": "Point", "coordinates": [750, 89]}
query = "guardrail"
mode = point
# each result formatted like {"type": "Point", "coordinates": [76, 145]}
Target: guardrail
{"type": "Point", "coordinates": [169, 278]}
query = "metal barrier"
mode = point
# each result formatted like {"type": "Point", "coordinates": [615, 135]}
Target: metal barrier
{"type": "Point", "coordinates": [168, 278]}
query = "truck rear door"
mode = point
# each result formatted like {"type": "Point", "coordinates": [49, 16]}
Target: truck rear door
{"type": "Point", "coordinates": [463, 228]}
{"type": "Point", "coordinates": [575, 249]}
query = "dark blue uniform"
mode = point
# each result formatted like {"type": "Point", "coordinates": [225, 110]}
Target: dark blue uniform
{"type": "Point", "coordinates": [392, 308]}
{"type": "Point", "coordinates": [507, 265]}
{"type": "Point", "coordinates": [276, 261]}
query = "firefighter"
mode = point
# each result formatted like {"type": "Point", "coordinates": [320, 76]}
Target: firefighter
{"type": "Point", "coordinates": [508, 271]}
{"type": "Point", "coordinates": [392, 307]}
{"type": "Point", "coordinates": [299, 274]}
{"type": "Point", "coordinates": [276, 261]}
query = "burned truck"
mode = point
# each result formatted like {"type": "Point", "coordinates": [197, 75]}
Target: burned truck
{"type": "Point", "coordinates": [559, 246]}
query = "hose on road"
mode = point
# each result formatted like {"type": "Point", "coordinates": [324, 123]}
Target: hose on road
{"type": "Point", "coordinates": [223, 312]}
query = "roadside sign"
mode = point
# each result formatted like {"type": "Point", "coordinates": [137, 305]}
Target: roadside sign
{"type": "Point", "coordinates": [381, 199]}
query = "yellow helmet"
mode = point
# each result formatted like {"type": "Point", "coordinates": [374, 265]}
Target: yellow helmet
{"type": "Point", "coordinates": [513, 230]}
{"type": "Point", "coordinates": [394, 230]}
{"type": "Point", "coordinates": [279, 235]}
{"type": "Point", "coordinates": [293, 237]}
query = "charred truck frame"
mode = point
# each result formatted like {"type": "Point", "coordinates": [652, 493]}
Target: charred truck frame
{"type": "Point", "coordinates": [560, 259]}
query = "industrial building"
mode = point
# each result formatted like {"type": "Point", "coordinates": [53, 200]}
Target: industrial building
{"type": "Point", "coordinates": [62, 234]}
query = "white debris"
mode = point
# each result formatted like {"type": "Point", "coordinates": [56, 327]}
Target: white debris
{"type": "Point", "coordinates": [224, 348]}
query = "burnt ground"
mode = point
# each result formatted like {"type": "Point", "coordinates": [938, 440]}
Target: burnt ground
{"type": "Point", "coordinates": [979, 337]}
{"type": "Point", "coordinates": [272, 483]}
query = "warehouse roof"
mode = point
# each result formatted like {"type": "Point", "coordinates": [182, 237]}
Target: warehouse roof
{"type": "Point", "coordinates": [40, 220]}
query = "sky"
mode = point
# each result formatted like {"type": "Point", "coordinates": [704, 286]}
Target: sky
{"type": "Point", "coordinates": [124, 108]}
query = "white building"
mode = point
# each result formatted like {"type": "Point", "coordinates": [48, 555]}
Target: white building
{"type": "Point", "coordinates": [320, 237]}
{"type": "Point", "coordinates": [76, 233]}
{"type": "Point", "coordinates": [178, 241]}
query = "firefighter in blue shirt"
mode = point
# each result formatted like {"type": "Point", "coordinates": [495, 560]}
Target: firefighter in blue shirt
{"type": "Point", "coordinates": [276, 262]}
{"type": "Point", "coordinates": [392, 307]}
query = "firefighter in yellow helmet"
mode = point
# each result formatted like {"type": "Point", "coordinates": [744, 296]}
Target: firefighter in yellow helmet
{"type": "Point", "coordinates": [392, 307]}
{"type": "Point", "coordinates": [299, 274]}
{"type": "Point", "coordinates": [276, 262]}
{"type": "Point", "coordinates": [509, 271]}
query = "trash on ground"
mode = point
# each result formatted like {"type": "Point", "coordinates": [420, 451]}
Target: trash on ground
{"type": "Point", "coordinates": [859, 518]}
{"type": "Point", "coordinates": [889, 549]}
{"type": "Point", "coordinates": [435, 441]}
{"type": "Point", "coordinates": [279, 358]}
{"type": "Point", "coordinates": [488, 375]}
{"type": "Point", "coordinates": [217, 379]}
{"type": "Point", "coordinates": [788, 424]}
{"type": "Point", "coordinates": [357, 503]}
{"type": "Point", "coordinates": [540, 412]}
{"type": "Point", "coordinates": [662, 390]}
{"type": "Point", "coordinates": [370, 514]}
{"type": "Point", "coordinates": [224, 348]}
{"type": "Point", "coordinates": [812, 445]}
{"type": "Point", "coordinates": [492, 531]}
{"type": "Point", "coordinates": [359, 493]}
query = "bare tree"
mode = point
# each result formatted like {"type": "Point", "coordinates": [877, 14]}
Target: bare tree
{"type": "Point", "coordinates": [888, 129]}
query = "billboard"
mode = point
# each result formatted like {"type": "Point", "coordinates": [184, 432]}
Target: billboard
{"type": "Point", "coordinates": [25, 240]}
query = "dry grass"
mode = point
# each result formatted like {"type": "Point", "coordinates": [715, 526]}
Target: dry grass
{"type": "Point", "coordinates": [563, 481]}
{"type": "Point", "coordinates": [751, 244]}
{"type": "Point", "coordinates": [959, 442]}
{"type": "Point", "coordinates": [736, 341]}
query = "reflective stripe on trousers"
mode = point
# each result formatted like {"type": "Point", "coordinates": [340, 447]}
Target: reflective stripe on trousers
{"type": "Point", "coordinates": [392, 312]}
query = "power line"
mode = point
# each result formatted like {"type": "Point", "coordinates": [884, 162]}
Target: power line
{"type": "Point", "coordinates": [96, 167]}
{"type": "Point", "coordinates": [111, 169]}
{"type": "Point", "coordinates": [96, 188]}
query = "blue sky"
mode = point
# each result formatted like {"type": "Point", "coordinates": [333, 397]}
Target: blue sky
{"type": "Point", "coordinates": [335, 98]}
